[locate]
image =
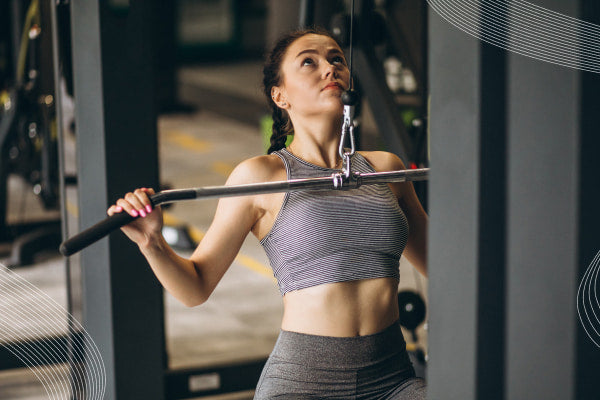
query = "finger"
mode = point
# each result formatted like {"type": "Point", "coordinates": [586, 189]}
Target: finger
{"type": "Point", "coordinates": [149, 192]}
{"type": "Point", "coordinates": [126, 205]}
{"type": "Point", "coordinates": [114, 209]}
{"type": "Point", "coordinates": [136, 199]}
{"type": "Point", "coordinates": [144, 200]}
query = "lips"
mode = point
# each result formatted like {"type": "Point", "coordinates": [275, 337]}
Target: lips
{"type": "Point", "coordinates": [333, 85]}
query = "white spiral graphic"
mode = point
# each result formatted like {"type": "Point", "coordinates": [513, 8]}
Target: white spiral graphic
{"type": "Point", "coordinates": [529, 30]}
{"type": "Point", "coordinates": [26, 310]}
{"type": "Point", "coordinates": [588, 306]}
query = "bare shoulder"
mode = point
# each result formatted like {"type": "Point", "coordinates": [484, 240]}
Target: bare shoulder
{"type": "Point", "coordinates": [383, 160]}
{"type": "Point", "coordinates": [264, 168]}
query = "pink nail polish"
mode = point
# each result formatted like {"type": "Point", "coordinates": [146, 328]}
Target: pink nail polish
{"type": "Point", "coordinates": [149, 209]}
{"type": "Point", "coordinates": [119, 208]}
{"type": "Point", "coordinates": [134, 213]}
{"type": "Point", "coordinates": [142, 213]}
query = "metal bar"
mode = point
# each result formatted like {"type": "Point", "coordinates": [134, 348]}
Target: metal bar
{"type": "Point", "coordinates": [412, 175]}
{"type": "Point", "coordinates": [64, 228]}
{"type": "Point", "coordinates": [109, 47]}
{"type": "Point", "coordinates": [454, 234]}
{"type": "Point", "coordinates": [543, 125]}
{"type": "Point", "coordinates": [336, 181]}
{"type": "Point", "coordinates": [322, 183]}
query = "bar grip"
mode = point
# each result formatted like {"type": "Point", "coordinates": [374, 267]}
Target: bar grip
{"type": "Point", "coordinates": [94, 233]}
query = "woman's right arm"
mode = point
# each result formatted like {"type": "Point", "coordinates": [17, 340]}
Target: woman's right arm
{"type": "Point", "coordinates": [192, 280]}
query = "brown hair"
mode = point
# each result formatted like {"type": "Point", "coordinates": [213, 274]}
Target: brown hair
{"type": "Point", "coordinates": [282, 125]}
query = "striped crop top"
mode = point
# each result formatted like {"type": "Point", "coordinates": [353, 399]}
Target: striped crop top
{"type": "Point", "coordinates": [334, 236]}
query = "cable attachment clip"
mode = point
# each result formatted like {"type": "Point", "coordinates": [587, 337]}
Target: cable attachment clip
{"type": "Point", "coordinates": [346, 179]}
{"type": "Point", "coordinates": [350, 99]}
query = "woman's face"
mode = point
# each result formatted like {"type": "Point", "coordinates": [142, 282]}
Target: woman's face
{"type": "Point", "coordinates": [314, 75]}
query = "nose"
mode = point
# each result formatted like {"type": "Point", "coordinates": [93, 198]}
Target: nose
{"type": "Point", "coordinates": [329, 70]}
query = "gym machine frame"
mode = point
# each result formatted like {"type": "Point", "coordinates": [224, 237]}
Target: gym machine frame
{"type": "Point", "coordinates": [194, 382]}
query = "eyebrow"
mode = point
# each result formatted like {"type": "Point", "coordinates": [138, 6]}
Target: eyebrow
{"type": "Point", "coordinates": [330, 51]}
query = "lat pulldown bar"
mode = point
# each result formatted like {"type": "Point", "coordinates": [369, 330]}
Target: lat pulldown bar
{"type": "Point", "coordinates": [337, 181]}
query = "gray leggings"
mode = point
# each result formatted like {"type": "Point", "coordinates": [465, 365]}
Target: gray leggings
{"type": "Point", "coordinates": [305, 366]}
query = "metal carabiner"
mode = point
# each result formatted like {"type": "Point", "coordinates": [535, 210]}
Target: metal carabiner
{"type": "Point", "coordinates": [347, 129]}
{"type": "Point", "coordinates": [346, 155]}
{"type": "Point", "coordinates": [350, 99]}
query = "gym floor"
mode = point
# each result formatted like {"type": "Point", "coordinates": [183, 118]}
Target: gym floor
{"type": "Point", "coordinates": [241, 319]}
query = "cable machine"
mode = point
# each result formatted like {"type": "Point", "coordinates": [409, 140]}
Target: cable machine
{"type": "Point", "coordinates": [244, 376]}
{"type": "Point", "coordinates": [345, 179]}
{"type": "Point", "coordinates": [28, 136]}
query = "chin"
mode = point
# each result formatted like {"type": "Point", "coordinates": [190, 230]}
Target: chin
{"type": "Point", "coordinates": [337, 108]}
{"type": "Point", "coordinates": [335, 101]}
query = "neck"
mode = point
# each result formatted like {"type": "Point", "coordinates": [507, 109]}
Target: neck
{"type": "Point", "coordinates": [317, 142]}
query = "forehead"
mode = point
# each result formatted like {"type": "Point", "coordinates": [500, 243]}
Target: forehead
{"type": "Point", "coordinates": [311, 41]}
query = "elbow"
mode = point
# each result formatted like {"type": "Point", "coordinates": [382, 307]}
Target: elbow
{"type": "Point", "coordinates": [197, 298]}
{"type": "Point", "coordinates": [197, 295]}
{"type": "Point", "coordinates": [200, 292]}
{"type": "Point", "coordinates": [191, 302]}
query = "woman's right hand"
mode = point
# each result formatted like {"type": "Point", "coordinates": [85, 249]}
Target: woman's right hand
{"type": "Point", "coordinates": [137, 204]}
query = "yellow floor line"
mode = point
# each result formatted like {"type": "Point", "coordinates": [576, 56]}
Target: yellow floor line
{"type": "Point", "coordinates": [244, 260]}
{"type": "Point", "coordinates": [255, 266]}
{"type": "Point", "coordinates": [187, 141]}
{"type": "Point", "coordinates": [72, 208]}
{"type": "Point", "coordinates": [222, 168]}
{"type": "Point", "coordinates": [171, 220]}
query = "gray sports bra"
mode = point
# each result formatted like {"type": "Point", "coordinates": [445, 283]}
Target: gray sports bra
{"type": "Point", "coordinates": [334, 236]}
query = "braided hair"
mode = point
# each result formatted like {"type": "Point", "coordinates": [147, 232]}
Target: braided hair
{"type": "Point", "coordinates": [282, 125]}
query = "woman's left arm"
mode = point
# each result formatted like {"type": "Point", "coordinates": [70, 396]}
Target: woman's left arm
{"type": "Point", "coordinates": [416, 247]}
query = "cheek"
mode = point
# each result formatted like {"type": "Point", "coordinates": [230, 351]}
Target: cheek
{"type": "Point", "coordinates": [300, 87]}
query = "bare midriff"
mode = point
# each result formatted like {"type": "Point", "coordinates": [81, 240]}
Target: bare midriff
{"type": "Point", "coordinates": [343, 309]}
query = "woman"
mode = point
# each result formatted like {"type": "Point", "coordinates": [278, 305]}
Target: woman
{"type": "Point", "coordinates": [335, 254]}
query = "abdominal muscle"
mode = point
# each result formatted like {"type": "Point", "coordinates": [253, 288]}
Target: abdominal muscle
{"type": "Point", "coordinates": [343, 309]}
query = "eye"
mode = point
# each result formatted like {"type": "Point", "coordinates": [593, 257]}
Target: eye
{"type": "Point", "coordinates": [338, 60]}
{"type": "Point", "coordinates": [307, 61]}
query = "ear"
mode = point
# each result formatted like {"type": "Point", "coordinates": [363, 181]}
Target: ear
{"type": "Point", "coordinates": [279, 97]}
